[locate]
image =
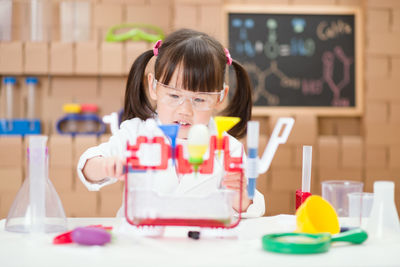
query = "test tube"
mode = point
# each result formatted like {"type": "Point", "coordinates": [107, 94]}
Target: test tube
{"type": "Point", "coordinates": [31, 82]}
{"type": "Point", "coordinates": [306, 177]}
{"type": "Point", "coordinates": [252, 156]}
{"type": "Point", "coordinates": [304, 193]}
{"type": "Point", "coordinates": [10, 83]}
{"type": "Point", "coordinates": [5, 20]}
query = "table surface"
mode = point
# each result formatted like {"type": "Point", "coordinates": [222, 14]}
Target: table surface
{"type": "Point", "coordinates": [174, 248]}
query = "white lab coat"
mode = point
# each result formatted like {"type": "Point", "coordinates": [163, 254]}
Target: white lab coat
{"type": "Point", "coordinates": [166, 181]}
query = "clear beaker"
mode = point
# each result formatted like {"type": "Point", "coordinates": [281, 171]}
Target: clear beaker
{"type": "Point", "coordinates": [384, 222]}
{"type": "Point", "coordinates": [336, 192]}
{"type": "Point", "coordinates": [37, 207]}
{"type": "Point", "coordinates": [360, 205]}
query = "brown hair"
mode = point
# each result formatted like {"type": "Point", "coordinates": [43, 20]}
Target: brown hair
{"type": "Point", "coordinates": [203, 61]}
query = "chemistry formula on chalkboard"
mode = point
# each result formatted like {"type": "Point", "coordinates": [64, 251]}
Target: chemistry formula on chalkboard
{"type": "Point", "coordinates": [296, 60]}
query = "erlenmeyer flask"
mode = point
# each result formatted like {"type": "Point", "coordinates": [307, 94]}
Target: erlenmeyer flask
{"type": "Point", "coordinates": [383, 222]}
{"type": "Point", "coordinates": [37, 207]}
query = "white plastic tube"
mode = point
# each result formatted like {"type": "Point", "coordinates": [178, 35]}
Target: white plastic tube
{"type": "Point", "coordinates": [306, 177]}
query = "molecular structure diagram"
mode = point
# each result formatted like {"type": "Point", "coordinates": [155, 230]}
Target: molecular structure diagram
{"type": "Point", "coordinates": [308, 87]}
{"type": "Point", "coordinates": [272, 49]}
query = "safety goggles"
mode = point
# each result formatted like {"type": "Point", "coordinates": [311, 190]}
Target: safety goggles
{"type": "Point", "coordinates": [201, 101]}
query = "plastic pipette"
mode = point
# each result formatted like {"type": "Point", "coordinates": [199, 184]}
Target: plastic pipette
{"type": "Point", "coordinates": [252, 156]}
{"type": "Point", "coordinates": [302, 195]}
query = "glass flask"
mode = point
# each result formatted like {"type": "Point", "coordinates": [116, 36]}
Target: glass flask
{"type": "Point", "coordinates": [37, 207]}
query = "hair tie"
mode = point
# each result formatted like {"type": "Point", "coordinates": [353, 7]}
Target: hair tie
{"type": "Point", "coordinates": [156, 47]}
{"type": "Point", "coordinates": [228, 56]}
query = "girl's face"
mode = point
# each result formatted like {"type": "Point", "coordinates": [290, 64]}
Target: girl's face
{"type": "Point", "coordinates": [183, 107]}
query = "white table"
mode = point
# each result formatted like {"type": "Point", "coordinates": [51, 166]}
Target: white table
{"type": "Point", "coordinates": [176, 249]}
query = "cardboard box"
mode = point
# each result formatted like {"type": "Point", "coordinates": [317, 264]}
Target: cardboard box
{"type": "Point", "coordinates": [394, 157]}
{"type": "Point", "coordinates": [285, 179]}
{"type": "Point", "coordinates": [378, 20]}
{"type": "Point", "coordinates": [107, 15]}
{"type": "Point", "coordinates": [11, 151]}
{"type": "Point", "coordinates": [280, 203]}
{"type": "Point", "coordinates": [112, 87]}
{"type": "Point", "coordinates": [86, 58]}
{"type": "Point", "coordinates": [394, 111]}
{"type": "Point", "coordinates": [156, 14]}
{"type": "Point", "coordinates": [376, 157]}
{"type": "Point", "coordinates": [110, 203]}
{"type": "Point", "coordinates": [74, 87]}
{"type": "Point", "coordinates": [377, 66]}
{"type": "Point", "coordinates": [383, 43]}
{"type": "Point", "coordinates": [326, 174]}
{"type": "Point", "coordinates": [11, 58]}
{"type": "Point", "coordinates": [61, 58]}
{"type": "Point", "coordinates": [377, 134]}
{"type": "Point", "coordinates": [132, 51]}
{"type": "Point", "coordinates": [61, 151]}
{"type": "Point", "coordinates": [352, 152]}
{"type": "Point", "coordinates": [327, 126]}
{"type": "Point", "coordinates": [382, 89]}
{"type": "Point", "coordinates": [10, 179]}
{"type": "Point", "coordinates": [211, 20]}
{"type": "Point", "coordinates": [111, 62]}
{"type": "Point", "coordinates": [80, 204]}
{"type": "Point", "coordinates": [376, 112]}
{"type": "Point", "coordinates": [328, 152]}
{"type": "Point", "coordinates": [36, 58]}
{"type": "Point", "coordinates": [304, 131]}
{"type": "Point", "coordinates": [394, 133]}
{"type": "Point", "coordinates": [284, 156]}
{"type": "Point", "coordinates": [349, 126]}
{"type": "Point", "coordinates": [61, 177]}
{"type": "Point", "coordinates": [186, 16]}
{"type": "Point", "coordinates": [373, 175]}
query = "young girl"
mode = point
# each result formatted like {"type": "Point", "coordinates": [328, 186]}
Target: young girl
{"type": "Point", "coordinates": [187, 87]}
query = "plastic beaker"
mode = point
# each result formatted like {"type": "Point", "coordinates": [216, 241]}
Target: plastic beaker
{"type": "Point", "coordinates": [37, 207]}
{"type": "Point", "coordinates": [360, 205]}
{"type": "Point", "coordinates": [384, 222]}
{"type": "Point", "coordinates": [336, 191]}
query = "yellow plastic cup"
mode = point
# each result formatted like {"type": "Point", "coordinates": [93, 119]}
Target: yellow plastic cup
{"type": "Point", "coordinates": [316, 215]}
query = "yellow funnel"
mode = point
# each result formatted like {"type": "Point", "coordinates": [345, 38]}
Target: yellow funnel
{"type": "Point", "coordinates": [315, 216]}
{"type": "Point", "coordinates": [224, 124]}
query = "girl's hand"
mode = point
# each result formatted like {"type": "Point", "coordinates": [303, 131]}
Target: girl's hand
{"type": "Point", "coordinates": [113, 167]}
{"type": "Point", "coordinates": [232, 181]}
{"type": "Point", "coordinates": [98, 168]}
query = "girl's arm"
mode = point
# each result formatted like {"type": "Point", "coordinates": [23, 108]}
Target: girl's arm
{"type": "Point", "coordinates": [99, 168]}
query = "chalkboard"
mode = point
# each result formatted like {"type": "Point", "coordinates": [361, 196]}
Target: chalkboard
{"type": "Point", "coordinates": [301, 60]}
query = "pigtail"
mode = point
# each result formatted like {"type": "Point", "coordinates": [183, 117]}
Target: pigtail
{"type": "Point", "coordinates": [137, 105]}
{"type": "Point", "coordinates": [241, 103]}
